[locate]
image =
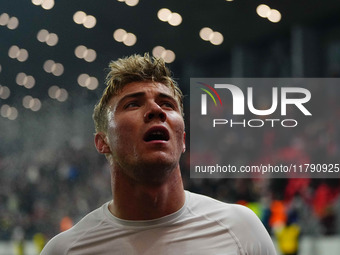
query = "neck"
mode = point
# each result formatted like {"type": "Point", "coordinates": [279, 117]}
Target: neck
{"type": "Point", "coordinates": [134, 200]}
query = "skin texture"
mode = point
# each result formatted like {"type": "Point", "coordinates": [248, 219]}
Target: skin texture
{"type": "Point", "coordinates": [145, 175]}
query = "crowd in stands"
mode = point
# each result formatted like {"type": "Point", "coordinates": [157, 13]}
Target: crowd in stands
{"type": "Point", "coordinates": [48, 189]}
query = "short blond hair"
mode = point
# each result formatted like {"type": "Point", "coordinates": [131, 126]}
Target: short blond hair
{"type": "Point", "coordinates": [135, 68]}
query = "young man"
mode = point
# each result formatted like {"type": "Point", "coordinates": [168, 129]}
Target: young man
{"type": "Point", "coordinates": [140, 129]}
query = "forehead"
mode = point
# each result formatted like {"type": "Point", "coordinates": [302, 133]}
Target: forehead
{"type": "Point", "coordinates": [147, 87]}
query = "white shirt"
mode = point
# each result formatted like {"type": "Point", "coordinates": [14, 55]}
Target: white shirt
{"type": "Point", "coordinates": [202, 226]}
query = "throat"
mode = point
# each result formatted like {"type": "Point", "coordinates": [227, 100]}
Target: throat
{"type": "Point", "coordinates": [133, 201]}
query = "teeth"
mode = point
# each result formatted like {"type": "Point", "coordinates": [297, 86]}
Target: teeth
{"type": "Point", "coordinates": [157, 135]}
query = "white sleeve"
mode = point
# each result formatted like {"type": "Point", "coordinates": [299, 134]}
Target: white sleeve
{"type": "Point", "coordinates": [56, 246]}
{"type": "Point", "coordinates": [249, 230]}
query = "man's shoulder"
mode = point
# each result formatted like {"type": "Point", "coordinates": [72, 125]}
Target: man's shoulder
{"type": "Point", "coordinates": [240, 221]}
{"type": "Point", "coordinates": [226, 212]}
{"type": "Point", "coordinates": [60, 243]}
{"type": "Point", "coordinates": [205, 204]}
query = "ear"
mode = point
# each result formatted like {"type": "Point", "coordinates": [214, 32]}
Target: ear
{"type": "Point", "coordinates": [184, 147]}
{"type": "Point", "coordinates": [101, 144]}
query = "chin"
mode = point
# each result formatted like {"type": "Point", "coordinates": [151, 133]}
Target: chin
{"type": "Point", "coordinates": [161, 164]}
{"type": "Point", "coordinates": [155, 171]}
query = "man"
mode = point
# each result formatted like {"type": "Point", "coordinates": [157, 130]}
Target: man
{"type": "Point", "coordinates": [140, 129]}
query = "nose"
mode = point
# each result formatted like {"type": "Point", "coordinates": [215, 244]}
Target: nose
{"type": "Point", "coordinates": [154, 112]}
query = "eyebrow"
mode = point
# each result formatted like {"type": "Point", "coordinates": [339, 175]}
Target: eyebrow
{"type": "Point", "coordinates": [141, 94]}
{"type": "Point", "coordinates": [132, 95]}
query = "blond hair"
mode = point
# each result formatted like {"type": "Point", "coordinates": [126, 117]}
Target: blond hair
{"type": "Point", "coordinates": [135, 68]}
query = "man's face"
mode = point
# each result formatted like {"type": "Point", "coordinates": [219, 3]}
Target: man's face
{"type": "Point", "coordinates": [145, 130]}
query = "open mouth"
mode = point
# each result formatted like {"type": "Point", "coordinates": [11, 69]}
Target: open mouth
{"type": "Point", "coordinates": [156, 134]}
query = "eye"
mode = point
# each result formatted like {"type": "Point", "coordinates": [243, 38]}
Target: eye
{"type": "Point", "coordinates": [167, 105]}
{"type": "Point", "coordinates": [131, 105]}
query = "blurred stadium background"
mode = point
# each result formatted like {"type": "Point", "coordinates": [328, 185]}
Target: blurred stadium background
{"type": "Point", "coordinates": [53, 56]}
